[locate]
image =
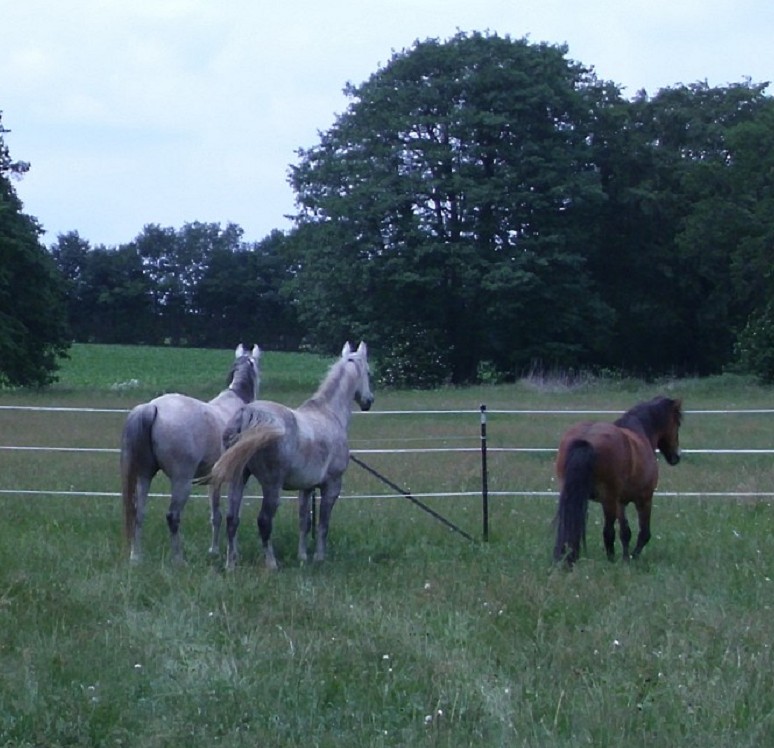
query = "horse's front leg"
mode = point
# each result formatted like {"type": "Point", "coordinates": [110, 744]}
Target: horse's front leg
{"type": "Point", "coordinates": [236, 490]}
{"type": "Point", "coordinates": [271, 497]}
{"type": "Point", "coordinates": [608, 531]}
{"type": "Point", "coordinates": [329, 492]}
{"type": "Point", "coordinates": [643, 513]}
{"type": "Point", "coordinates": [305, 499]}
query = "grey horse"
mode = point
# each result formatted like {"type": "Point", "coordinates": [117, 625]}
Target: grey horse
{"type": "Point", "coordinates": [299, 449]}
{"type": "Point", "coordinates": [183, 437]}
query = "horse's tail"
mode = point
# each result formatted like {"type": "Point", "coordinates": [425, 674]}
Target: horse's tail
{"type": "Point", "coordinates": [577, 487]}
{"type": "Point", "coordinates": [233, 461]}
{"type": "Point", "coordinates": [136, 452]}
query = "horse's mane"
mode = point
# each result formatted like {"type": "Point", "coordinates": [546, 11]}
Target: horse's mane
{"type": "Point", "coordinates": [652, 415]}
{"type": "Point", "coordinates": [252, 382]}
{"type": "Point", "coordinates": [330, 382]}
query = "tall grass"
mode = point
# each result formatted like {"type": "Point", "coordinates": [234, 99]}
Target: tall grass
{"type": "Point", "coordinates": [409, 634]}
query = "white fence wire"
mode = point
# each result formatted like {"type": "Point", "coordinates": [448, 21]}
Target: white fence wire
{"type": "Point", "coordinates": [413, 450]}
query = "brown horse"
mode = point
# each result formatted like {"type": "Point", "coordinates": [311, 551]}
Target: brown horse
{"type": "Point", "coordinates": [614, 464]}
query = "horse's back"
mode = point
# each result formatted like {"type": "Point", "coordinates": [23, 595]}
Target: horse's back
{"type": "Point", "coordinates": [225, 405]}
{"type": "Point", "coordinates": [186, 433]}
{"type": "Point", "coordinates": [312, 448]}
{"type": "Point", "coordinates": [625, 465]}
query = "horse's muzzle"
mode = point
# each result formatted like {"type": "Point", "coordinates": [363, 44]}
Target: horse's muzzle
{"type": "Point", "coordinates": [673, 459]}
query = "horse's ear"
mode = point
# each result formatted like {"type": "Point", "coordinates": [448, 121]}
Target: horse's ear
{"type": "Point", "coordinates": [240, 351]}
{"type": "Point", "coordinates": [362, 350]}
{"type": "Point", "coordinates": [256, 352]}
{"type": "Point", "coordinates": [346, 350]}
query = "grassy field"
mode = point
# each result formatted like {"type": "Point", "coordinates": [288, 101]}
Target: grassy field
{"type": "Point", "coordinates": [409, 634]}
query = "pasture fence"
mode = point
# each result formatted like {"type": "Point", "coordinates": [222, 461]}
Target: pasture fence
{"type": "Point", "coordinates": [417, 498]}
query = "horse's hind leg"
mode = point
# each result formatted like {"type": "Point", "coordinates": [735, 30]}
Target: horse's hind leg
{"type": "Point", "coordinates": [305, 499]}
{"type": "Point", "coordinates": [269, 506]}
{"type": "Point", "coordinates": [608, 535]}
{"type": "Point", "coordinates": [141, 498]}
{"type": "Point", "coordinates": [216, 519]}
{"type": "Point", "coordinates": [181, 490]}
{"type": "Point", "coordinates": [235, 492]}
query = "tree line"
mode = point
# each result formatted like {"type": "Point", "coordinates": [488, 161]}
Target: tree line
{"type": "Point", "coordinates": [201, 285]}
{"type": "Point", "coordinates": [483, 205]}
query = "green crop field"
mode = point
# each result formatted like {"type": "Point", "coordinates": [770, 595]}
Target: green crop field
{"type": "Point", "coordinates": [408, 634]}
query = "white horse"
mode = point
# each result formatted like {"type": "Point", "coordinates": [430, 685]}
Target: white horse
{"type": "Point", "coordinates": [299, 449]}
{"type": "Point", "coordinates": [183, 437]}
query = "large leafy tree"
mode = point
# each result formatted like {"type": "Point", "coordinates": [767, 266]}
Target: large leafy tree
{"type": "Point", "coordinates": [33, 315]}
{"type": "Point", "coordinates": [455, 197]}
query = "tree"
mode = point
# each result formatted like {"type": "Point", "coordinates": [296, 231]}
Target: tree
{"type": "Point", "coordinates": [672, 224]}
{"type": "Point", "coordinates": [108, 292]}
{"type": "Point", "coordinates": [175, 262]}
{"type": "Point", "coordinates": [33, 316]}
{"type": "Point", "coordinates": [454, 196]}
{"type": "Point", "coordinates": [239, 297]}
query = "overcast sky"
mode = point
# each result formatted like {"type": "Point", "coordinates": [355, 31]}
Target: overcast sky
{"type": "Point", "coordinates": [168, 111]}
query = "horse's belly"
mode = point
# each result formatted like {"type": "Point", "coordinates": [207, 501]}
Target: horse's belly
{"type": "Point", "coordinates": [312, 473]}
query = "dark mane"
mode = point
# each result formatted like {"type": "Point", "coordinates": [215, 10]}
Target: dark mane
{"type": "Point", "coordinates": [245, 388]}
{"type": "Point", "coordinates": [652, 415]}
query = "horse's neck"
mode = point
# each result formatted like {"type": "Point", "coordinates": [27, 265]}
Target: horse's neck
{"type": "Point", "coordinates": [338, 410]}
{"type": "Point", "coordinates": [244, 390]}
{"type": "Point", "coordinates": [633, 423]}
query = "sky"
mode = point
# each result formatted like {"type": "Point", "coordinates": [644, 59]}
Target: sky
{"type": "Point", "coordinates": [133, 112]}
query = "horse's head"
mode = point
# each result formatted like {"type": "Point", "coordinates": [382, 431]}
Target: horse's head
{"type": "Point", "coordinates": [245, 374]}
{"type": "Point", "coordinates": [363, 395]}
{"type": "Point", "coordinates": [669, 439]}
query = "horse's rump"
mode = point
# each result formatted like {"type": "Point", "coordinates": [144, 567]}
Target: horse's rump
{"type": "Point", "coordinates": [244, 444]}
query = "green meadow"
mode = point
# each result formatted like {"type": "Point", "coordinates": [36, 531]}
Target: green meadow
{"type": "Point", "coordinates": [409, 634]}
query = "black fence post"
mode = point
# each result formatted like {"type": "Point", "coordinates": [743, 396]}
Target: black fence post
{"type": "Point", "coordinates": [313, 510]}
{"type": "Point", "coordinates": [484, 476]}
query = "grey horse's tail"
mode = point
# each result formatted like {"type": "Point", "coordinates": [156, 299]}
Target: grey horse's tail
{"type": "Point", "coordinates": [136, 454]}
{"type": "Point", "coordinates": [577, 487]}
{"type": "Point", "coordinates": [233, 461]}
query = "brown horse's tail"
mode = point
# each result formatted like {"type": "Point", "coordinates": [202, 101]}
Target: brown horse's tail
{"type": "Point", "coordinates": [233, 461]}
{"type": "Point", "coordinates": [136, 455]}
{"type": "Point", "coordinates": [577, 487]}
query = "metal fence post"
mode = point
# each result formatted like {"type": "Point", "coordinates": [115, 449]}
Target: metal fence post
{"type": "Point", "coordinates": [484, 476]}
